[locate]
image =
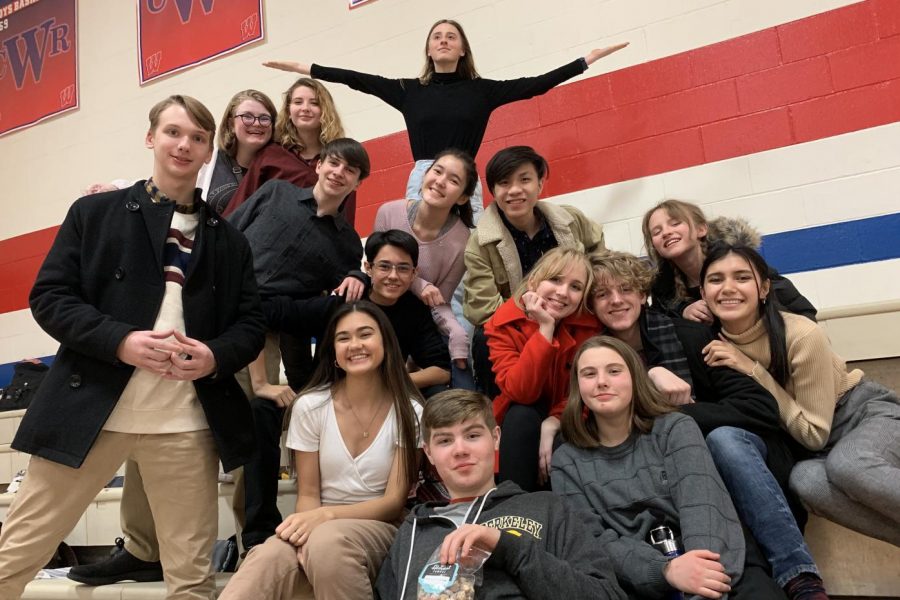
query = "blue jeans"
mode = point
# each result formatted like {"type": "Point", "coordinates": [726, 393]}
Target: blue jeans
{"type": "Point", "coordinates": [740, 457]}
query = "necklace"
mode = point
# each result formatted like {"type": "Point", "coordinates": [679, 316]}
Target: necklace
{"type": "Point", "coordinates": [365, 430]}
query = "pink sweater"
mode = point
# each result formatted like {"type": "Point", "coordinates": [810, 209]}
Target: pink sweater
{"type": "Point", "coordinates": [440, 263]}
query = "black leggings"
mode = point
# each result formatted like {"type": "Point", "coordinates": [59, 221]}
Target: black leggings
{"type": "Point", "coordinates": [520, 441]}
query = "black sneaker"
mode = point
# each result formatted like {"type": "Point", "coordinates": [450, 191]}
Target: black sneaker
{"type": "Point", "coordinates": [120, 566]}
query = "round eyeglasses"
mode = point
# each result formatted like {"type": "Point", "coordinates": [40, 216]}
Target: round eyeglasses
{"type": "Point", "coordinates": [249, 120]}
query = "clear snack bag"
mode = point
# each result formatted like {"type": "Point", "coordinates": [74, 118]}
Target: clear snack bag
{"type": "Point", "coordinates": [452, 582]}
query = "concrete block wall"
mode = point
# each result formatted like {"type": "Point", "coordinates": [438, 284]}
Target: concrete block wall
{"type": "Point", "coordinates": [787, 113]}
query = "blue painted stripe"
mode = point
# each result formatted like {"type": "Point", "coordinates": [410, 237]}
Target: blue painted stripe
{"type": "Point", "coordinates": [6, 371]}
{"type": "Point", "coordinates": [828, 246]}
{"type": "Point", "coordinates": [824, 247]}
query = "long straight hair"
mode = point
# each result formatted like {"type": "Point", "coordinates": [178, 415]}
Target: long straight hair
{"type": "Point", "coordinates": [465, 68]}
{"type": "Point", "coordinates": [769, 310]}
{"type": "Point", "coordinates": [579, 427]}
{"type": "Point", "coordinates": [392, 373]}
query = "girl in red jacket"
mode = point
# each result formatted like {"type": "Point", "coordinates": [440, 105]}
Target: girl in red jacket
{"type": "Point", "coordinates": [532, 338]}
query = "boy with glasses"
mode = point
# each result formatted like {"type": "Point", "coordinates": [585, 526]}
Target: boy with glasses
{"type": "Point", "coordinates": [391, 259]}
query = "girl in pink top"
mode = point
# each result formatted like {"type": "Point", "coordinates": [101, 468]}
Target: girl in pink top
{"type": "Point", "coordinates": [440, 222]}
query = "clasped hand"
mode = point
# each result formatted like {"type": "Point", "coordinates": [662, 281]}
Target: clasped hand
{"type": "Point", "coordinates": [180, 359]}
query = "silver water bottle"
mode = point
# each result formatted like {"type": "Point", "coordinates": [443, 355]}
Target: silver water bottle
{"type": "Point", "coordinates": [663, 539]}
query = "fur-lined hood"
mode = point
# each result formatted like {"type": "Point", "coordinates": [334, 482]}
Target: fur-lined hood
{"type": "Point", "coordinates": [733, 231]}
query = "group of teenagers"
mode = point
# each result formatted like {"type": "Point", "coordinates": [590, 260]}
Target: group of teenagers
{"type": "Point", "coordinates": [577, 403]}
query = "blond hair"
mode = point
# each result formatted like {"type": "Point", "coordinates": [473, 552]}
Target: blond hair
{"type": "Point", "coordinates": [624, 267]}
{"type": "Point", "coordinates": [330, 123]}
{"type": "Point", "coordinates": [553, 263]}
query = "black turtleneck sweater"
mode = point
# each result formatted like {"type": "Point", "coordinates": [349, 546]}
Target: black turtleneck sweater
{"type": "Point", "coordinates": [449, 112]}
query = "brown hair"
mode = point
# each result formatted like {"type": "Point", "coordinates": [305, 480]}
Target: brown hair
{"type": "Point", "coordinates": [455, 406]}
{"type": "Point", "coordinates": [679, 209]}
{"type": "Point", "coordinates": [553, 263]}
{"type": "Point", "coordinates": [623, 267]}
{"type": "Point", "coordinates": [196, 110]}
{"type": "Point", "coordinates": [394, 377]}
{"type": "Point", "coordinates": [579, 426]}
{"type": "Point", "coordinates": [465, 67]}
{"type": "Point", "coordinates": [331, 127]}
{"type": "Point", "coordinates": [227, 140]}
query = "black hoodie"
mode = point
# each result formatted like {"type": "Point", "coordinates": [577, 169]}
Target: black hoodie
{"type": "Point", "coordinates": [546, 550]}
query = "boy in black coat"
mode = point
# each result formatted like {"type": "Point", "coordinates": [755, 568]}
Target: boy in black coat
{"type": "Point", "coordinates": [153, 300]}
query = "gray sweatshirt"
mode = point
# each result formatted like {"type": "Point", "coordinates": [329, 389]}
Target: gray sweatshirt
{"type": "Point", "coordinates": [665, 477]}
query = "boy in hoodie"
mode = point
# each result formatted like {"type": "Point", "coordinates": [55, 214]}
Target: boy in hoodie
{"type": "Point", "coordinates": [539, 547]}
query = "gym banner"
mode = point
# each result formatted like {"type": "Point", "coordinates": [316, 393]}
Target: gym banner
{"type": "Point", "coordinates": [38, 61]}
{"type": "Point", "coordinates": [177, 34]}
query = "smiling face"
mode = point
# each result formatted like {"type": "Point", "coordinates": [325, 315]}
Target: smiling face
{"type": "Point", "coordinates": [563, 293]}
{"type": "Point", "coordinates": [733, 290]}
{"type": "Point", "coordinates": [180, 147]}
{"type": "Point", "coordinates": [445, 45]}
{"type": "Point", "coordinates": [337, 178]}
{"type": "Point", "coordinates": [673, 236]}
{"type": "Point", "coordinates": [358, 344]}
{"type": "Point", "coordinates": [604, 383]}
{"type": "Point", "coordinates": [252, 136]}
{"type": "Point", "coordinates": [463, 455]}
{"type": "Point", "coordinates": [392, 273]}
{"type": "Point", "coordinates": [517, 194]}
{"type": "Point", "coordinates": [444, 183]}
{"type": "Point", "coordinates": [305, 111]}
{"type": "Point", "coordinates": [618, 305]}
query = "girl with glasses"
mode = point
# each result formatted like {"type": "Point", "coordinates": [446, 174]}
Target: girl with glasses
{"type": "Point", "coordinates": [245, 129]}
{"type": "Point", "coordinates": [307, 121]}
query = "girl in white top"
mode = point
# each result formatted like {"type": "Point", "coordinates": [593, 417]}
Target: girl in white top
{"type": "Point", "coordinates": [354, 433]}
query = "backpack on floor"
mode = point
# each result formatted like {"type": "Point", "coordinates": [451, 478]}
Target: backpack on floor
{"type": "Point", "coordinates": [27, 377]}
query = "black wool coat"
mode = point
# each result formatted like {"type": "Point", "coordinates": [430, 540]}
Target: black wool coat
{"type": "Point", "coordinates": [102, 279]}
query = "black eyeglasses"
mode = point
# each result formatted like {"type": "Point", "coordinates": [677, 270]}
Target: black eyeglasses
{"type": "Point", "coordinates": [385, 267]}
{"type": "Point", "coordinates": [249, 120]}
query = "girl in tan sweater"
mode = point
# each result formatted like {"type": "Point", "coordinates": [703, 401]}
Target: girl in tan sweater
{"type": "Point", "coordinates": [850, 425]}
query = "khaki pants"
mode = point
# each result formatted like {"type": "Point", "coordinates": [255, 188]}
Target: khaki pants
{"type": "Point", "coordinates": [340, 561]}
{"type": "Point", "coordinates": [134, 512]}
{"type": "Point", "coordinates": [179, 471]}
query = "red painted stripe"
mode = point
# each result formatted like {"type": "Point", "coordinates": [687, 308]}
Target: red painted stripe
{"type": "Point", "coordinates": [20, 259]}
{"type": "Point", "coordinates": [821, 76]}
{"type": "Point", "coordinates": [824, 75]}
